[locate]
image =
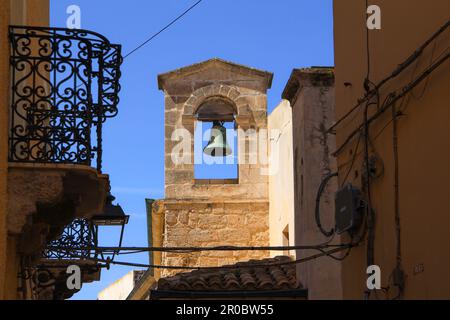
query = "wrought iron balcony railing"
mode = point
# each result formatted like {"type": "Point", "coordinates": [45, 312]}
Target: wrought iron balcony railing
{"type": "Point", "coordinates": [78, 241]}
{"type": "Point", "coordinates": [65, 84]}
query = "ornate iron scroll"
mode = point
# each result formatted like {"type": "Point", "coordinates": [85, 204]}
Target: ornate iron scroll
{"type": "Point", "coordinates": [78, 241]}
{"type": "Point", "coordinates": [65, 84]}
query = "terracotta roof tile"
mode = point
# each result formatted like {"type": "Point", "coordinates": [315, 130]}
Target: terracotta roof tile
{"type": "Point", "coordinates": [245, 277]}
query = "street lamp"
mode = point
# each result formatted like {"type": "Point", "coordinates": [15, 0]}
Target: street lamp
{"type": "Point", "coordinates": [112, 215]}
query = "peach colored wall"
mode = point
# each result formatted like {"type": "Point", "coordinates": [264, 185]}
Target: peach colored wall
{"type": "Point", "coordinates": [4, 91]}
{"type": "Point", "coordinates": [423, 142]}
{"type": "Point", "coordinates": [23, 12]}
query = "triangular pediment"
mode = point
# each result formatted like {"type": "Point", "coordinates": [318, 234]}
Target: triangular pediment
{"type": "Point", "coordinates": [215, 69]}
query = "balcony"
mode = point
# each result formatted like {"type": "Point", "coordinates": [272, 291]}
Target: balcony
{"type": "Point", "coordinates": [75, 246]}
{"type": "Point", "coordinates": [64, 86]}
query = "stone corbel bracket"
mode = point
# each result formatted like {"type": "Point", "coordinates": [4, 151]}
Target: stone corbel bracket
{"type": "Point", "coordinates": [44, 198]}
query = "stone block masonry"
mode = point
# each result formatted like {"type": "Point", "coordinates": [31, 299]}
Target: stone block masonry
{"type": "Point", "coordinates": [203, 224]}
{"type": "Point", "coordinates": [213, 212]}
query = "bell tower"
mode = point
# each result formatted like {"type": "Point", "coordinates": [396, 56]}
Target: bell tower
{"type": "Point", "coordinates": [212, 212]}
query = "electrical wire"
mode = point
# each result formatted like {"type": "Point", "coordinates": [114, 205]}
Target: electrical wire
{"type": "Point", "coordinates": [322, 186]}
{"type": "Point", "coordinates": [237, 266]}
{"type": "Point", "coordinates": [410, 86]}
{"type": "Point", "coordinates": [367, 48]}
{"type": "Point", "coordinates": [390, 101]}
{"type": "Point", "coordinates": [196, 249]}
{"type": "Point", "coordinates": [396, 185]}
{"type": "Point", "coordinates": [405, 100]}
{"type": "Point", "coordinates": [395, 115]}
{"type": "Point", "coordinates": [352, 163]}
{"type": "Point", "coordinates": [405, 90]}
{"type": "Point", "coordinates": [402, 66]}
{"type": "Point", "coordinates": [370, 216]}
{"type": "Point", "coordinates": [364, 128]}
{"type": "Point", "coordinates": [162, 29]}
{"type": "Point", "coordinates": [364, 131]}
{"type": "Point", "coordinates": [335, 248]}
{"type": "Point", "coordinates": [399, 279]}
{"type": "Point", "coordinates": [426, 82]}
{"type": "Point", "coordinates": [158, 32]}
{"type": "Point", "coordinates": [346, 254]}
{"type": "Point", "coordinates": [355, 154]}
{"type": "Point", "coordinates": [370, 213]}
{"type": "Point", "coordinates": [320, 247]}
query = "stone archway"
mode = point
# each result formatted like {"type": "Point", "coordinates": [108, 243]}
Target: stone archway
{"type": "Point", "coordinates": [223, 91]}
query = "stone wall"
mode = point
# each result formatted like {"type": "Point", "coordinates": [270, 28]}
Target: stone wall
{"type": "Point", "coordinates": [200, 224]}
{"type": "Point", "coordinates": [183, 96]}
{"type": "Point", "coordinates": [214, 212]}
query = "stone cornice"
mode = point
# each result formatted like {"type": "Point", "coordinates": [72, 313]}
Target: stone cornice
{"type": "Point", "coordinates": [196, 67]}
{"type": "Point", "coordinates": [307, 77]}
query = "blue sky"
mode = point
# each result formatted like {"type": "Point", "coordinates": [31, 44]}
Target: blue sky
{"type": "Point", "coordinates": [276, 36]}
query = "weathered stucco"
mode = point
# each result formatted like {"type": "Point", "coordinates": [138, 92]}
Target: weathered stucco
{"type": "Point", "coordinates": [311, 94]}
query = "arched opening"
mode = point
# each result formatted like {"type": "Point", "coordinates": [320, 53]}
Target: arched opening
{"type": "Point", "coordinates": [215, 142]}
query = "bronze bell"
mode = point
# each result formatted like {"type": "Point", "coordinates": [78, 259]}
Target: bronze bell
{"type": "Point", "coordinates": [217, 145]}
